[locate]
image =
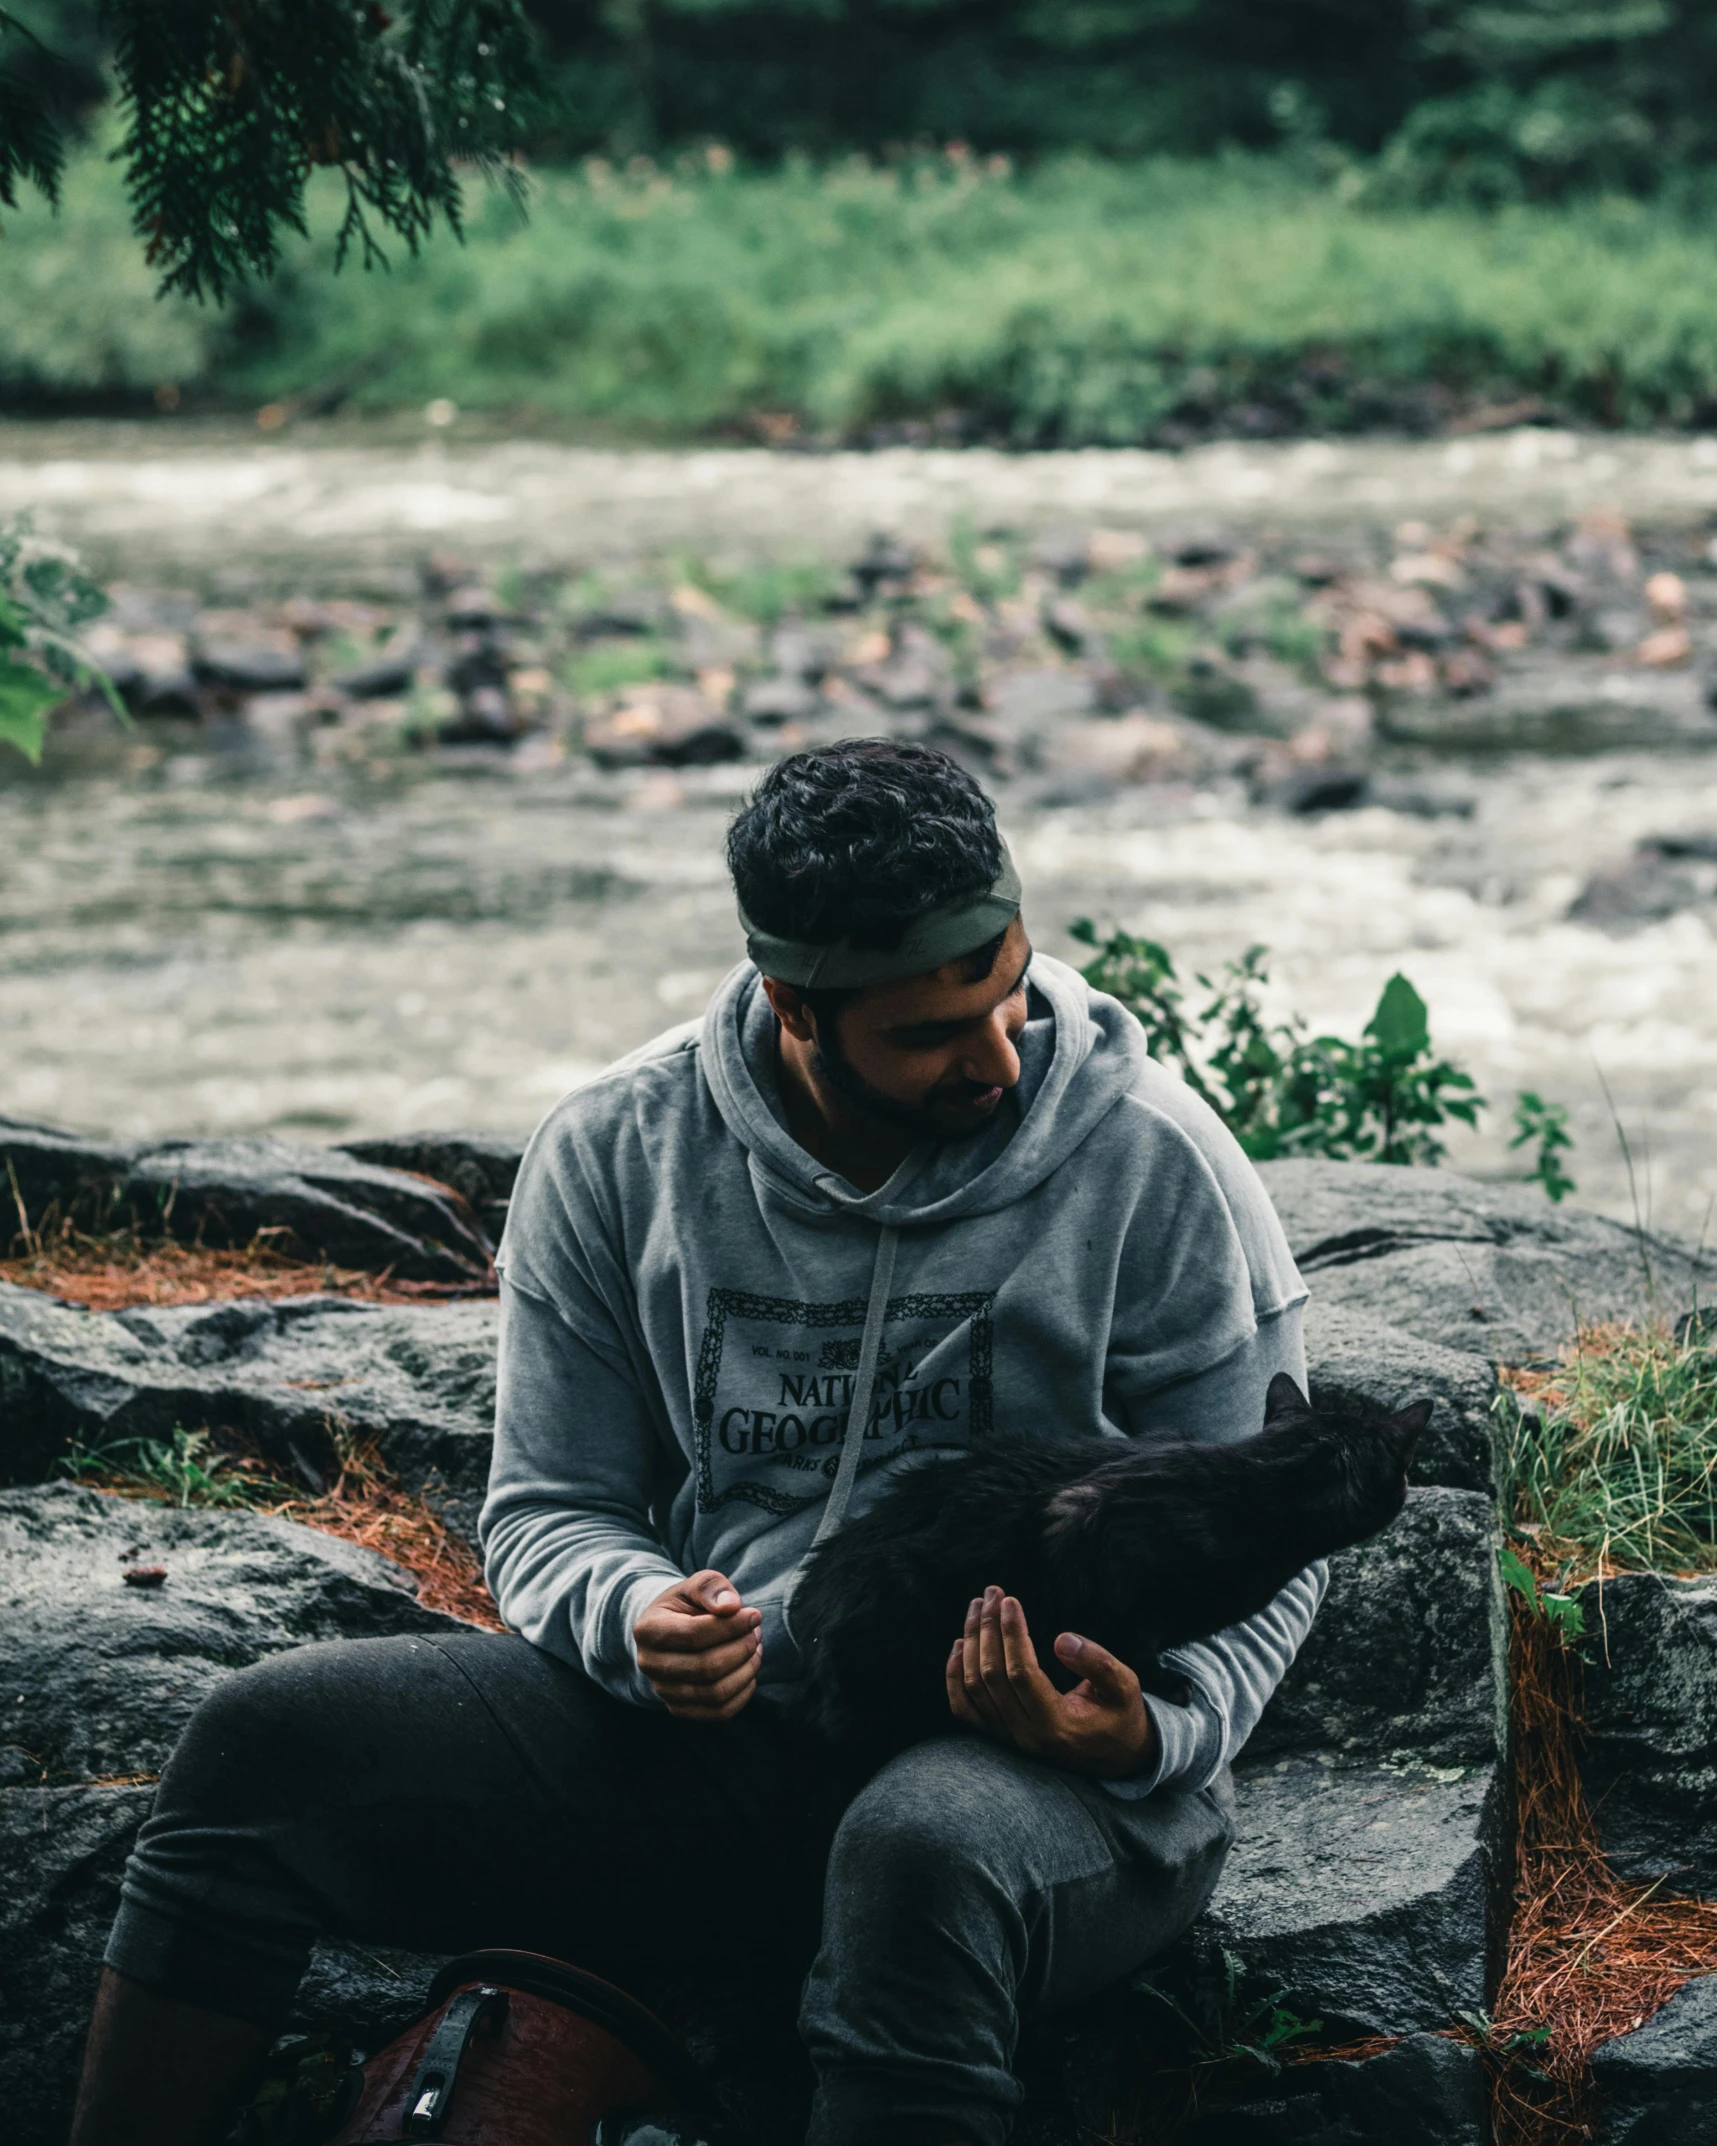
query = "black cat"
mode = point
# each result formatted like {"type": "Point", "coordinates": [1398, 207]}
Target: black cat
{"type": "Point", "coordinates": [1139, 1547]}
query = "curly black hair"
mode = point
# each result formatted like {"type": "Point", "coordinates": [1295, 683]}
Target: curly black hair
{"type": "Point", "coordinates": [857, 840]}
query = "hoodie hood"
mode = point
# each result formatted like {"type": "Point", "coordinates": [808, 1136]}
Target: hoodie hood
{"type": "Point", "coordinates": [1080, 1054]}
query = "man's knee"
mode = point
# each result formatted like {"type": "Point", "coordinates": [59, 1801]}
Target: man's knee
{"type": "Point", "coordinates": [952, 1819]}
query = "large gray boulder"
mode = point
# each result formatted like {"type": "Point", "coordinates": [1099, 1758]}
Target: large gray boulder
{"type": "Point", "coordinates": [1358, 1358]}
{"type": "Point", "coordinates": [99, 1676]}
{"type": "Point", "coordinates": [418, 1378]}
{"type": "Point", "coordinates": [1482, 1269]}
{"type": "Point", "coordinates": [317, 1202]}
{"type": "Point", "coordinates": [1425, 2091]}
{"type": "Point", "coordinates": [1367, 1879]}
{"type": "Point", "coordinates": [1408, 1658]}
{"type": "Point", "coordinates": [481, 1167]}
{"type": "Point", "coordinates": [1658, 2085]}
{"type": "Point", "coordinates": [1370, 1894]}
{"type": "Point", "coordinates": [1649, 1757]}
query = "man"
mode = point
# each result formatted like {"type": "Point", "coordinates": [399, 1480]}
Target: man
{"type": "Point", "coordinates": [905, 1185]}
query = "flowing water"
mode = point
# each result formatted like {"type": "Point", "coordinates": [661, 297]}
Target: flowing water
{"type": "Point", "coordinates": [456, 945]}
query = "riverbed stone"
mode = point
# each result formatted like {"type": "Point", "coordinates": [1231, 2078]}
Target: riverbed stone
{"type": "Point", "coordinates": [1658, 2085]}
{"type": "Point", "coordinates": [1371, 1894]}
{"type": "Point", "coordinates": [1408, 1656]}
{"type": "Point", "coordinates": [1649, 1756]}
{"type": "Point", "coordinates": [419, 1379]}
{"type": "Point", "coordinates": [1493, 1270]}
{"type": "Point", "coordinates": [318, 1202]}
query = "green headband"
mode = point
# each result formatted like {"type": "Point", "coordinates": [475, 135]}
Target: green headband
{"type": "Point", "coordinates": [939, 936]}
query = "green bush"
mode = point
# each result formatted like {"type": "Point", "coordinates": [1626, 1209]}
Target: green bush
{"type": "Point", "coordinates": [1078, 303]}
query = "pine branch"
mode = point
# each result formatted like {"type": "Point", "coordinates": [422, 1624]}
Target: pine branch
{"type": "Point", "coordinates": [230, 105]}
{"type": "Point", "coordinates": [31, 147]}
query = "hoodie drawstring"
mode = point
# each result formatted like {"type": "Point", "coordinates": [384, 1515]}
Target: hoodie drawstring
{"type": "Point", "coordinates": [864, 1380]}
{"type": "Point", "coordinates": [864, 1383]}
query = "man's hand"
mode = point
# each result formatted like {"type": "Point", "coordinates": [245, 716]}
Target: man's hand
{"type": "Point", "coordinates": [1101, 1727]}
{"type": "Point", "coordinates": [701, 1648]}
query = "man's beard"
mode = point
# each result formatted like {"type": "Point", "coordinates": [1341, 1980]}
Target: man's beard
{"type": "Point", "coordinates": [831, 1064]}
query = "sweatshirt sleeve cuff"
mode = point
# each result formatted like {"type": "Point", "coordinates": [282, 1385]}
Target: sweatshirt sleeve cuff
{"type": "Point", "coordinates": [1177, 1745]}
{"type": "Point", "coordinates": [619, 1671]}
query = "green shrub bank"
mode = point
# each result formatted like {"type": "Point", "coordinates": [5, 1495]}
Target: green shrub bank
{"type": "Point", "coordinates": [1080, 303]}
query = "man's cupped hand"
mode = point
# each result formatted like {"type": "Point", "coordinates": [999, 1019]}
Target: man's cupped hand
{"type": "Point", "coordinates": [701, 1648]}
{"type": "Point", "coordinates": [997, 1686]}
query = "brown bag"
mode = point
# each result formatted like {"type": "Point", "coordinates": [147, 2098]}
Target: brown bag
{"type": "Point", "coordinates": [518, 2049]}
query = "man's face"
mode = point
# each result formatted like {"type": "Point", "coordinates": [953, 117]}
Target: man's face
{"type": "Point", "coordinates": [934, 1053]}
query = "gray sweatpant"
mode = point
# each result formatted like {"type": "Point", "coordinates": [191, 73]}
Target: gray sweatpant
{"type": "Point", "coordinates": [473, 1791]}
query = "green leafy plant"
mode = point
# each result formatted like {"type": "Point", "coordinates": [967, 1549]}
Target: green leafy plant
{"type": "Point", "coordinates": [1544, 1125]}
{"type": "Point", "coordinates": [45, 600]}
{"type": "Point", "coordinates": [1224, 2020]}
{"type": "Point", "coordinates": [1281, 1090]}
{"type": "Point", "coordinates": [186, 1468]}
{"type": "Point", "coordinates": [1562, 1612]}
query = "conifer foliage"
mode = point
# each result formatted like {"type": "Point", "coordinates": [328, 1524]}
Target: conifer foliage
{"type": "Point", "coordinates": [228, 106]}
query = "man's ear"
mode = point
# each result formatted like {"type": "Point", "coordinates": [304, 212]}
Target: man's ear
{"type": "Point", "coordinates": [1284, 1398]}
{"type": "Point", "coordinates": [790, 1009]}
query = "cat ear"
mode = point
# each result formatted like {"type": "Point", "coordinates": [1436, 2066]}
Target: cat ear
{"type": "Point", "coordinates": [1412, 1424]}
{"type": "Point", "coordinates": [1284, 1398]}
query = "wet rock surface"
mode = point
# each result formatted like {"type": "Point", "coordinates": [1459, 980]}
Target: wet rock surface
{"type": "Point", "coordinates": [1407, 1658]}
{"type": "Point", "coordinates": [100, 1676]}
{"type": "Point", "coordinates": [1426, 2091]}
{"type": "Point", "coordinates": [1370, 1894]}
{"type": "Point", "coordinates": [419, 1379]}
{"type": "Point", "coordinates": [101, 1672]}
{"type": "Point", "coordinates": [320, 1202]}
{"type": "Point", "coordinates": [1649, 1756]}
{"type": "Point", "coordinates": [1658, 2085]}
{"type": "Point", "coordinates": [1485, 1269]}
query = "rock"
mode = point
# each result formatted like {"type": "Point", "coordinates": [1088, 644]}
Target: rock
{"type": "Point", "coordinates": [779, 700]}
{"type": "Point", "coordinates": [325, 1203]}
{"type": "Point", "coordinates": [100, 1678]}
{"type": "Point", "coordinates": [370, 1993]}
{"type": "Point", "coordinates": [1421, 800]}
{"type": "Point", "coordinates": [1425, 2091]}
{"type": "Point", "coordinates": [1649, 1759]}
{"type": "Point", "coordinates": [1656, 882]}
{"type": "Point", "coordinates": [108, 1676]}
{"type": "Point", "coordinates": [381, 678]}
{"type": "Point", "coordinates": [1556, 705]}
{"type": "Point", "coordinates": [62, 1851]}
{"type": "Point", "coordinates": [262, 666]}
{"type": "Point", "coordinates": [1322, 789]}
{"type": "Point", "coordinates": [1658, 2085]}
{"type": "Point", "coordinates": [664, 726]}
{"type": "Point", "coordinates": [1486, 1269]}
{"type": "Point", "coordinates": [1408, 1657]}
{"type": "Point", "coordinates": [420, 1379]}
{"type": "Point", "coordinates": [805, 652]}
{"type": "Point", "coordinates": [1141, 747]}
{"type": "Point", "coordinates": [1371, 1895]}
{"type": "Point", "coordinates": [1355, 1358]}
{"type": "Point", "coordinates": [480, 1167]}
{"type": "Point", "coordinates": [1024, 702]}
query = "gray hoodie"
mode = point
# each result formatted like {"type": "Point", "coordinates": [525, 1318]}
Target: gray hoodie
{"type": "Point", "coordinates": [690, 1303]}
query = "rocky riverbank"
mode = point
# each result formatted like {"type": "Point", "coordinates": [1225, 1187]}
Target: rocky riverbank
{"type": "Point", "coordinates": [1370, 1886]}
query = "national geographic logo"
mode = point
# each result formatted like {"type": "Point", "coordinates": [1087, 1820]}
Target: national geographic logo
{"type": "Point", "coordinates": [774, 1390]}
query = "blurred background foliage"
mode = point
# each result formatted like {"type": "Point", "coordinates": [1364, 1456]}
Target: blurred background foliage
{"type": "Point", "coordinates": [1038, 221]}
{"type": "Point", "coordinates": [1520, 99]}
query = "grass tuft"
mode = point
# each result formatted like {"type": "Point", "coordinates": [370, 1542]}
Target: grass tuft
{"type": "Point", "coordinates": [1612, 1453]}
